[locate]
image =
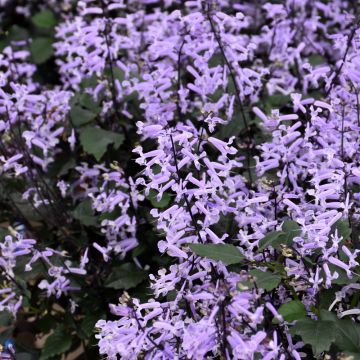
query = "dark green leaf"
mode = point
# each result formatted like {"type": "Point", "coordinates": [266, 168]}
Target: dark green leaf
{"type": "Point", "coordinates": [343, 229]}
{"type": "Point", "coordinates": [292, 310]}
{"type": "Point", "coordinates": [126, 276]}
{"type": "Point", "coordinates": [319, 334]}
{"type": "Point", "coordinates": [26, 356]}
{"type": "Point", "coordinates": [71, 163]}
{"type": "Point", "coordinates": [95, 140]}
{"type": "Point", "coordinates": [80, 116]}
{"type": "Point", "coordinates": [6, 319]}
{"type": "Point", "coordinates": [85, 214]}
{"type": "Point", "coordinates": [164, 202]}
{"type": "Point", "coordinates": [273, 239]}
{"type": "Point", "coordinates": [57, 343]}
{"type": "Point", "coordinates": [265, 279]}
{"type": "Point", "coordinates": [228, 254]}
{"type": "Point", "coordinates": [291, 229]}
{"type": "Point", "coordinates": [245, 285]}
{"type": "Point", "coordinates": [316, 59]}
{"type": "Point", "coordinates": [278, 100]}
{"type": "Point", "coordinates": [88, 324]}
{"type": "Point", "coordinates": [44, 19]}
{"type": "Point", "coordinates": [347, 332]}
{"type": "Point", "coordinates": [41, 49]}
{"type": "Point", "coordinates": [17, 33]}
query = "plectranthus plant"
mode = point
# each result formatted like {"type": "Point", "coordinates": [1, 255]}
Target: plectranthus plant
{"type": "Point", "coordinates": [179, 179]}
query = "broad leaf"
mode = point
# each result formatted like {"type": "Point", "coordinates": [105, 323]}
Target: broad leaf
{"type": "Point", "coordinates": [57, 343]}
{"type": "Point", "coordinates": [265, 279]}
{"type": "Point", "coordinates": [292, 310]}
{"type": "Point", "coordinates": [164, 202]}
{"type": "Point", "coordinates": [44, 19]}
{"type": "Point", "coordinates": [89, 321]}
{"type": "Point", "coordinates": [126, 276]}
{"type": "Point", "coordinates": [95, 140]}
{"type": "Point", "coordinates": [343, 229]}
{"type": "Point", "coordinates": [273, 239]}
{"type": "Point", "coordinates": [291, 230]}
{"type": "Point", "coordinates": [85, 214]}
{"type": "Point", "coordinates": [319, 334]}
{"type": "Point", "coordinates": [80, 116]}
{"type": "Point", "coordinates": [41, 49]}
{"type": "Point", "coordinates": [228, 254]}
{"type": "Point", "coordinates": [347, 332]}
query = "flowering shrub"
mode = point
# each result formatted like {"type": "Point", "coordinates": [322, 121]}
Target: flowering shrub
{"type": "Point", "coordinates": [180, 179]}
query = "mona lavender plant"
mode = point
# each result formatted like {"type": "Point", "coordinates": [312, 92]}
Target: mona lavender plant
{"type": "Point", "coordinates": [180, 180]}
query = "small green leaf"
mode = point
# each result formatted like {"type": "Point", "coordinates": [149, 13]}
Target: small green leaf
{"type": "Point", "coordinates": [343, 229]}
{"type": "Point", "coordinates": [88, 323]}
{"type": "Point", "coordinates": [278, 100]}
{"type": "Point", "coordinates": [347, 332]}
{"type": "Point", "coordinates": [319, 334]}
{"type": "Point", "coordinates": [273, 239]}
{"type": "Point", "coordinates": [44, 19]}
{"type": "Point", "coordinates": [291, 229]}
{"type": "Point", "coordinates": [6, 319]}
{"type": "Point", "coordinates": [57, 343]}
{"type": "Point", "coordinates": [245, 285]}
{"type": "Point", "coordinates": [85, 214]}
{"type": "Point", "coordinates": [125, 276]}
{"type": "Point", "coordinates": [228, 254]}
{"type": "Point", "coordinates": [17, 33]}
{"type": "Point", "coordinates": [66, 167]}
{"type": "Point", "coordinates": [41, 49]}
{"type": "Point", "coordinates": [164, 202]}
{"type": "Point", "coordinates": [265, 279]}
{"type": "Point", "coordinates": [292, 310]}
{"type": "Point", "coordinates": [96, 140]}
{"type": "Point", "coordinates": [316, 59]}
{"type": "Point", "coordinates": [80, 116]}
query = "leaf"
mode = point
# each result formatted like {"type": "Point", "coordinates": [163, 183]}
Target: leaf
{"type": "Point", "coordinates": [319, 334]}
{"type": "Point", "coordinates": [292, 310]}
{"type": "Point", "coordinates": [125, 276]}
{"type": "Point", "coordinates": [80, 116]}
{"type": "Point", "coordinates": [17, 33]}
{"type": "Point", "coordinates": [44, 19]}
{"type": "Point", "coordinates": [275, 239]}
{"type": "Point", "coordinates": [66, 167]}
{"type": "Point", "coordinates": [6, 319]}
{"type": "Point", "coordinates": [278, 100]}
{"type": "Point", "coordinates": [271, 239]}
{"type": "Point", "coordinates": [164, 202]}
{"type": "Point", "coordinates": [228, 254]}
{"type": "Point", "coordinates": [84, 109]}
{"type": "Point", "coordinates": [85, 214]}
{"type": "Point", "coordinates": [25, 356]}
{"type": "Point", "coordinates": [57, 343]}
{"type": "Point", "coordinates": [96, 140]}
{"type": "Point", "coordinates": [343, 229]}
{"type": "Point", "coordinates": [41, 49]}
{"type": "Point", "coordinates": [89, 321]}
{"type": "Point", "coordinates": [266, 279]}
{"type": "Point", "coordinates": [347, 332]}
{"type": "Point", "coordinates": [352, 355]}
{"type": "Point", "coordinates": [316, 59]}
{"type": "Point", "coordinates": [291, 229]}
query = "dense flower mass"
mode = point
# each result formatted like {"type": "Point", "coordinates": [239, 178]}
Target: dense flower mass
{"type": "Point", "coordinates": [181, 179]}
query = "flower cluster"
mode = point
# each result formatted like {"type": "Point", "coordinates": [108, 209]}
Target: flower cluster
{"type": "Point", "coordinates": [199, 159]}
